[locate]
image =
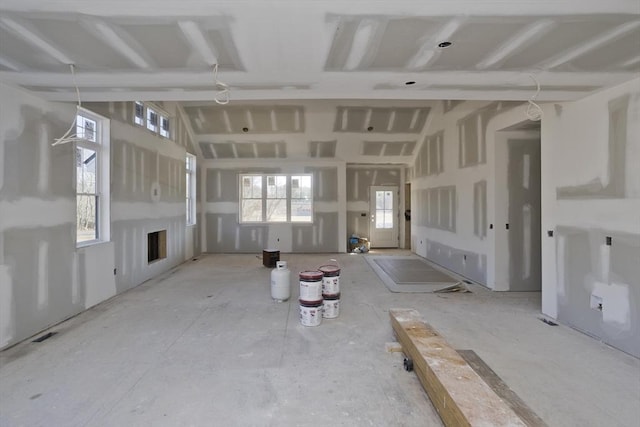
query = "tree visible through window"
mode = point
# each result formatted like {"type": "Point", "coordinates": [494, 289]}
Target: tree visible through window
{"type": "Point", "coordinates": [276, 198]}
{"type": "Point", "coordinates": [91, 164]}
{"type": "Point", "coordinates": [190, 168]}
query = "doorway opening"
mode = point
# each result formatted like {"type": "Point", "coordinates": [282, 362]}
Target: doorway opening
{"type": "Point", "coordinates": [518, 252]}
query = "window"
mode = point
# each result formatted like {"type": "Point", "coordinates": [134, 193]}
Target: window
{"type": "Point", "coordinates": [92, 178]}
{"type": "Point", "coordinates": [276, 198]}
{"type": "Point", "coordinates": [152, 120]}
{"type": "Point", "coordinates": [138, 117]}
{"type": "Point", "coordinates": [151, 117]}
{"type": "Point", "coordinates": [384, 209]}
{"type": "Point", "coordinates": [190, 168]}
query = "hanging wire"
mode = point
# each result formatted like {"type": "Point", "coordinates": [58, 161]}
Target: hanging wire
{"type": "Point", "coordinates": [222, 96]}
{"type": "Point", "coordinates": [69, 136]}
{"type": "Point", "coordinates": [534, 112]}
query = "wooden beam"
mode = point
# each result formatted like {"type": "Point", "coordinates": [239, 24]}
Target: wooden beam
{"type": "Point", "coordinates": [459, 395]}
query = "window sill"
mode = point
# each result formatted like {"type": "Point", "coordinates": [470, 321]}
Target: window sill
{"type": "Point", "coordinates": [91, 243]}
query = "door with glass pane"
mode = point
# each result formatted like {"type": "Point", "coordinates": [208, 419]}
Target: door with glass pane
{"type": "Point", "coordinates": [383, 228]}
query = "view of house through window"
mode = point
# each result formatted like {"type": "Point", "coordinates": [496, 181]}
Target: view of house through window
{"type": "Point", "coordinates": [276, 198]}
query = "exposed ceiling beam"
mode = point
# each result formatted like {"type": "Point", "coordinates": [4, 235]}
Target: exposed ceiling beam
{"type": "Point", "coordinates": [589, 45]}
{"type": "Point", "coordinates": [189, 8]}
{"type": "Point", "coordinates": [429, 51]}
{"type": "Point", "coordinates": [629, 62]}
{"type": "Point", "coordinates": [31, 36]}
{"type": "Point", "coordinates": [522, 38]}
{"type": "Point", "coordinates": [198, 42]}
{"type": "Point", "coordinates": [111, 36]}
{"type": "Point", "coordinates": [347, 82]}
{"type": "Point", "coordinates": [10, 63]}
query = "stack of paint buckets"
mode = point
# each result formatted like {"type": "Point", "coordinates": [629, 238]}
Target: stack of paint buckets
{"type": "Point", "coordinates": [330, 291]}
{"type": "Point", "coordinates": [311, 298]}
{"type": "Point", "coordinates": [319, 295]}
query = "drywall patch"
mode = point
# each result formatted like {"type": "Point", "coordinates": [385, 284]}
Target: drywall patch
{"type": "Point", "coordinates": [325, 183]}
{"type": "Point", "coordinates": [613, 186]}
{"type": "Point", "coordinates": [224, 234]}
{"type": "Point", "coordinates": [36, 168]}
{"type": "Point", "coordinates": [322, 149]}
{"type": "Point", "coordinates": [594, 276]}
{"type": "Point", "coordinates": [480, 209]}
{"type": "Point", "coordinates": [464, 263]}
{"type": "Point", "coordinates": [321, 236]}
{"type": "Point", "coordinates": [472, 132]}
{"type": "Point", "coordinates": [430, 159]}
{"type": "Point", "coordinates": [7, 320]}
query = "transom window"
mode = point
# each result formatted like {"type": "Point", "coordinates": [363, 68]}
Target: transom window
{"type": "Point", "coordinates": [276, 198]}
{"type": "Point", "coordinates": [152, 118]}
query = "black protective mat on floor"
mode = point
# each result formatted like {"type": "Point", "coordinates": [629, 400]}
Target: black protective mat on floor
{"type": "Point", "coordinates": [409, 274]}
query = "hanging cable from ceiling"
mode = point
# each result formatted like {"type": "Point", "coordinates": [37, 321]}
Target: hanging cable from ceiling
{"type": "Point", "coordinates": [69, 136]}
{"type": "Point", "coordinates": [222, 94]}
{"type": "Point", "coordinates": [534, 112]}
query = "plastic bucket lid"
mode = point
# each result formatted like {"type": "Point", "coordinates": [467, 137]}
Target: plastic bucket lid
{"type": "Point", "coordinates": [311, 276]}
{"type": "Point", "coordinates": [330, 270]}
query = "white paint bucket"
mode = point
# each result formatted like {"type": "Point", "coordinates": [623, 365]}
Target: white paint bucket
{"type": "Point", "coordinates": [330, 279]}
{"type": "Point", "coordinates": [310, 313]}
{"type": "Point", "coordinates": [280, 282]}
{"type": "Point", "coordinates": [331, 306]}
{"type": "Point", "coordinates": [311, 286]}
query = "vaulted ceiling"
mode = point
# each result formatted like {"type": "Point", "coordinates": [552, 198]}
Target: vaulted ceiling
{"type": "Point", "coordinates": [318, 50]}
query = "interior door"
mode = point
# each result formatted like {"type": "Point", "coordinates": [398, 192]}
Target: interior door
{"type": "Point", "coordinates": [383, 206]}
{"type": "Point", "coordinates": [524, 216]}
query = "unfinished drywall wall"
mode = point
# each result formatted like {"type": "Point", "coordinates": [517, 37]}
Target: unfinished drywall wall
{"type": "Point", "coordinates": [449, 183]}
{"type": "Point", "coordinates": [591, 233]}
{"type": "Point", "coordinates": [37, 216]}
{"type": "Point", "coordinates": [598, 285]}
{"type": "Point", "coordinates": [44, 277]}
{"type": "Point", "coordinates": [359, 180]}
{"type": "Point", "coordinates": [225, 233]}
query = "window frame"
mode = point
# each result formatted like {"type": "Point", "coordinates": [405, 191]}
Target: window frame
{"type": "Point", "coordinates": [162, 117]}
{"type": "Point", "coordinates": [101, 147]}
{"type": "Point", "coordinates": [190, 193]}
{"type": "Point", "coordinates": [264, 198]}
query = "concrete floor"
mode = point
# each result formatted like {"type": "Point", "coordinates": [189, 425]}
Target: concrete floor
{"type": "Point", "coordinates": [204, 345]}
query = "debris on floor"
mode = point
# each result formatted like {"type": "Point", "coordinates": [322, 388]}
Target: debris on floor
{"type": "Point", "coordinates": [458, 287]}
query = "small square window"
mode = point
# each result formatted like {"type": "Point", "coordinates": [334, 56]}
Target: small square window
{"type": "Point", "coordinates": [152, 120]}
{"type": "Point", "coordinates": [139, 114]}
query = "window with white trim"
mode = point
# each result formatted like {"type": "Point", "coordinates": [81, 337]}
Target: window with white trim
{"type": "Point", "coordinates": [190, 168]}
{"type": "Point", "coordinates": [92, 178]}
{"type": "Point", "coordinates": [152, 118]}
{"type": "Point", "coordinates": [276, 198]}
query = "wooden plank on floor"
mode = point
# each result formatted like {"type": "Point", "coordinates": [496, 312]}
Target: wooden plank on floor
{"type": "Point", "coordinates": [495, 382]}
{"type": "Point", "coordinates": [457, 392]}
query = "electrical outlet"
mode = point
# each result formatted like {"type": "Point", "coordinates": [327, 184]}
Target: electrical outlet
{"type": "Point", "coordinates": [596, 302]}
